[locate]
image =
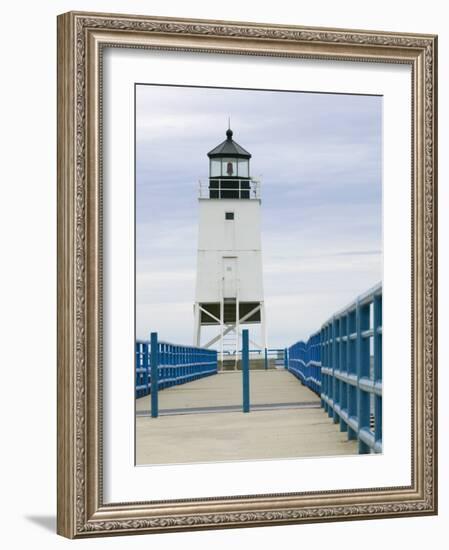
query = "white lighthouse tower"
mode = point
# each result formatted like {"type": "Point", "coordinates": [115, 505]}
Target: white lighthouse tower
{"type": "Point", "coordinates": [229, 285]}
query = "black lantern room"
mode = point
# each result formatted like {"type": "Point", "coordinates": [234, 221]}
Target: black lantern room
{"type": "Point", "coordinates": [229, 170]}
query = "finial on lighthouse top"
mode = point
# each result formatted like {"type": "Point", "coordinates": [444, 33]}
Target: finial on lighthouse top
{"type": "Point", "coordinates": [229, 131]}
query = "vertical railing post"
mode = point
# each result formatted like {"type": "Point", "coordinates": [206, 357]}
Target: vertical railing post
{"type": "Point", "coordinates": [161, 366]}
{"type": "Point", "coordinates": [358, 355]}
{"type": "Point", "coordinates": [362, 365]}
{"type": "Point", "coordinates": [154, 359]}
{"type": "Point", "coordinates": [266, 359]}
{"type": "Point", "coordinates": [323, 377]}
{"type": "Point", "coordinates": [245, 369]}
{"type": "Point", "coordinates": [344, 369]}
{"type": "Point", "coordinates": [332, 381]}
{"type": "Point", "coordinates": [377, 330]}
{"type": "Point", "coordinates": [145, 367]}
{"type": "Point", "coordinates": [285, 358]}
{"type": "Point", "coordinates": [352, 370]}
{"type": "Point", "coordinates": [335, 367]}
{"type": "Point", "coordinates": [318, 366]}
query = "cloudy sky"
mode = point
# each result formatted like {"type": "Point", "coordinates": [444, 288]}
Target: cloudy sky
{"type": "Point", "coordinates": [319, 158]}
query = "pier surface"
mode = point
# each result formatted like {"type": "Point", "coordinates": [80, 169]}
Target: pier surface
{"type": "Point", "coordinates": [202, 422]}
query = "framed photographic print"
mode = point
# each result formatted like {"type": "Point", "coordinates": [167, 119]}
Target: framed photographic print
{"type": "Point", "coordinates": [246, 274]}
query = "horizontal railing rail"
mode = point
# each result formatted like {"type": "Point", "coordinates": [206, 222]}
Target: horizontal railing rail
{"type": "Point", "coordinates": [342, 363]}
{"type": "Point", "coordinates": [175, 365]}
{"type": "Point", "coordinates": [304, 361]}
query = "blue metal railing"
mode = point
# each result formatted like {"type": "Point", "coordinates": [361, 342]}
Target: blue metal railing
{"type": "Point", "coordinates": [342, 363]}
{"type": "Point", "coordinates": [304, 361]}
{"type": "Point", "coordinates": [245, 370]}
{"type": "Point", "coordinates": [174, 364]}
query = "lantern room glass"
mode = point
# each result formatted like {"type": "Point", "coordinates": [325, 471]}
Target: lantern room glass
{"type": "Point", "coordinates": [215, 168]}
{"type": "Point", "coordinates": [243, 168]}
{"type": "Point", "coordinates": [229, 167]}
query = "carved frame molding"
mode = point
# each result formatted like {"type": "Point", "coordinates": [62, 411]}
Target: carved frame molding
{"type": "Point", "coordinates": [81, 39]}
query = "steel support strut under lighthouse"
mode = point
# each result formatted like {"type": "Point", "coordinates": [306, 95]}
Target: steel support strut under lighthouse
{"type": "Point", "coordinates": [229, 284]}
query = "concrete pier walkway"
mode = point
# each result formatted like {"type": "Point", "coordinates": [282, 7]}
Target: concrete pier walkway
{"type": "Point", "coordinates": [285, 422]}
{"type": "Point", "coordinates": [225, 389]}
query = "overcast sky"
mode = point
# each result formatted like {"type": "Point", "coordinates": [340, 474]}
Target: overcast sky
{"type": "Point", "coordinates": [319, 157]}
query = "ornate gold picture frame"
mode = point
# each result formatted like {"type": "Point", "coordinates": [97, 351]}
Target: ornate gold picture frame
{"type": "Point", "coordinates": [82, 40]}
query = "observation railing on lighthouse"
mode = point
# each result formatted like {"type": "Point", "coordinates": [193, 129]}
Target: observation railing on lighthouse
{"type": "Point", "coordinates": [226, 188]}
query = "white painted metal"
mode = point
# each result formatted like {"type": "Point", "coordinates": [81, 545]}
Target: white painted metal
{"type": "Point", "coordinates": [219, 238]}
{"type": "Point", "coordinates": [229, 266]}
{"type": "Point", "coordinates": [197, 326]}
{"type": "Point", "coordinates": [264, 326]}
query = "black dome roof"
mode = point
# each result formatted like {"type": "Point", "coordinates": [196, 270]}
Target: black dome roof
{"type": "Point", "coordinates": [229, 148]}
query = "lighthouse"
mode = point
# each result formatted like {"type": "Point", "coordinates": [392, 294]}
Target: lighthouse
{"type": "Point", "coordinates": [229, 282]}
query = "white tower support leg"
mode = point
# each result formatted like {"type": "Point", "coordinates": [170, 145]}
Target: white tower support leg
{"type": "Point", "coordinates": [263, 327]}
{"type": "Point", "coordinates": [237, 328]}
{"type": "Point", "coordinates": [197, 326]}
{"type": "Point", "coordinates": [221, 328]}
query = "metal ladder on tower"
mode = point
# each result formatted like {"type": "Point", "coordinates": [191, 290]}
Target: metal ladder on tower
{"type": "Point", "coordinates": [230, 355]}
{"type": "Point", "coordinates": [231, 341]}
